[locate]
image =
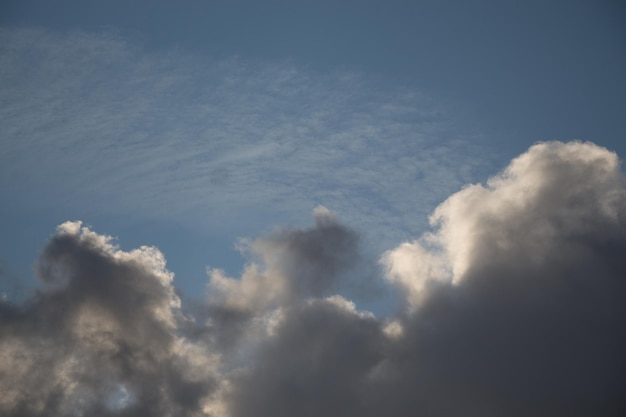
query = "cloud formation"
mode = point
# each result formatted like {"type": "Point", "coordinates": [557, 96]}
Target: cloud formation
{"type": "Point", "coordinates": [186, 138]}
{"type": "Point", "coordinates": [525, 311]}
{"type": "Point", "coordinates": [99, 335]}
{"type": "Point", "coordinates": [514, 304]}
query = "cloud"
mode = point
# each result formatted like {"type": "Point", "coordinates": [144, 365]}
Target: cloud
{"type": "Point", "coordinates": [515, 307]}
{"type": "Point", "coordinates": [514, 304]}
{"type": "Point", "coordinates": [294, 265]}
{"type": "Point", "coordinates": [555, 198]}
{"type": "Point", "coordinates": [527, 320]}
{"type": "Point", "coordinates": [317, 363]}
{"type": "Point", "coordinates": [186, 138]}
{"type": "Point", "coordinates": [103, 326]}
{"type": "Point", "coordinates": [285, 269]}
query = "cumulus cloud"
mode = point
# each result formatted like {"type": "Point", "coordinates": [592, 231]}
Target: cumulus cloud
{"type": "Point", "coordinates": [100, 337]}
{"type": "Point", "coordinates": [529, 319]}
{"type": "Point", "coordinates": [286, 268]}
{"type": "Point", "coordinates": [292, 265]}
{"type": "Point", "coordinates": [514, 304]}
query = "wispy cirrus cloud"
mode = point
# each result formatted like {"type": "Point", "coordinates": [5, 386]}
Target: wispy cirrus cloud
{"type": "Point", "coordinates": [96, 121]}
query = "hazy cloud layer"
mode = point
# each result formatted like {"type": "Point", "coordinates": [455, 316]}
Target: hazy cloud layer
{"type": "Point", "coordinates": [175, 136]}
{"type": "Point", "coordinates": [514, 305]}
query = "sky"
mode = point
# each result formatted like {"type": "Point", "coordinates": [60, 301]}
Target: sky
{"type": "Point", "coordinates": [312, 208]}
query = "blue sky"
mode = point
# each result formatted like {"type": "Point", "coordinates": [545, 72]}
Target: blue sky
{"type": "Point", "coordinates": [189, 125]}
{"type": "Point", "coordinates": [290, 208]}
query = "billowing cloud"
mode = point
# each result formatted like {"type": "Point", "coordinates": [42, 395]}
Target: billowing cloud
{"type": "Point", "coordinates": [294, 264]}
{"type": "Point", "coordinates": [527, 315]}
{"type": "Point", "coordinates": [100, 337]}
{"type": "Point", "coordinates": [514, 304]}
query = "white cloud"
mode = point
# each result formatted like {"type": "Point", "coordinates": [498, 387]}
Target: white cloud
{"type": "Point", "coordinates": [413, 268]}
{"type": "Point", "coordinates": [552, 190]}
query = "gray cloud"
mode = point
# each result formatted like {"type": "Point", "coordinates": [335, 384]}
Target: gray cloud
{"type": "Point", "coordinates": [285, 268]}
{"type": "Point", "coordinates": [318, 363]}
{"type": "Point", "coordinates": [514, 304]}
{"type": "Point", "coordinates": [290, 265]}
{"type": "Point", "coordinates": [103, 325]}
{"type": "Point", "coordinates": [515, 307]}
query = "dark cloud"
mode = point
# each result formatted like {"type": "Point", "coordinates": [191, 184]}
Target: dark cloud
{"type": "Point", "coordinates": [316, 364]}
{"type": "Point", "coordinates": [103, 325]}
{"type": "Point", "coordinates": [515, 305]}
{"type": "Point", "coordinates": [286, 267]}
{"type": "Point", "coordinates": [312, 259]}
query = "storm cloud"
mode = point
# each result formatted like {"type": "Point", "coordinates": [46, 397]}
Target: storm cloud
{"type": "Point", "coordinates": [513, 304]}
